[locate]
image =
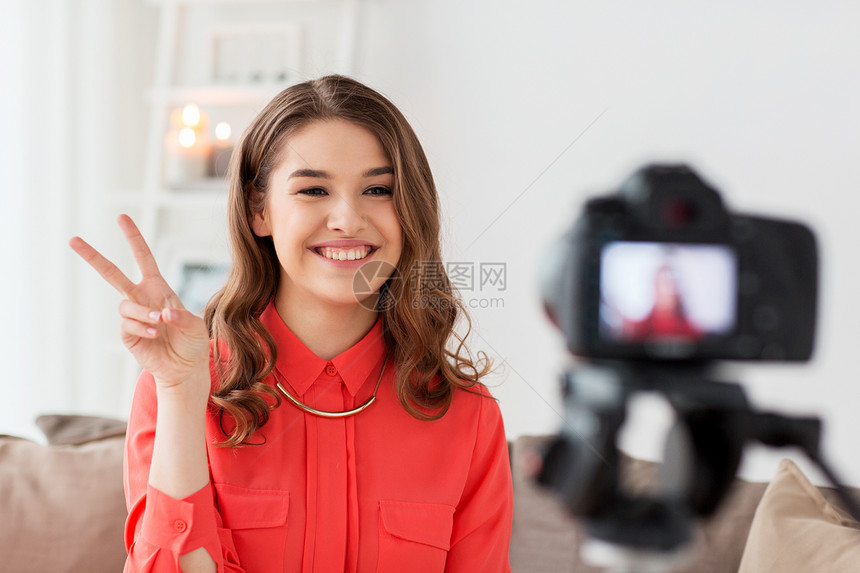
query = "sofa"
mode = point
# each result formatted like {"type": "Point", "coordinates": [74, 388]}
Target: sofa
{"type": "Point", "coordinates": [62, 510]}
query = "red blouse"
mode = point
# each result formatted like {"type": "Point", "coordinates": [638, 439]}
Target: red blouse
{"type": "Point", "coordinates": [378, 491]}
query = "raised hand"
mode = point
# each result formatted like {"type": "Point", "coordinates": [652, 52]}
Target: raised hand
{"type": "Point", "coordinates": [164, 337]}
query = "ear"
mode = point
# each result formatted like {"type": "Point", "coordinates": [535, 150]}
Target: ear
{"type": "Point", "coordinates": [260, 224]}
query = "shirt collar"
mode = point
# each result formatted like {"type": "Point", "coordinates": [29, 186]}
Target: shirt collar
{"type": "Point", "coordinates": [301, 367]}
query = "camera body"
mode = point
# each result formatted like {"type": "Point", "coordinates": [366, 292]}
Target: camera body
{"type": "Point", "coordinates": [660, 270]}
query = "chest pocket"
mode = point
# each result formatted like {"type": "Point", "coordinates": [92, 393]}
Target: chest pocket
{"type": "Point", "coordinates": [414, 537]}
{"type": "Point", "coordinates": [257, 521]}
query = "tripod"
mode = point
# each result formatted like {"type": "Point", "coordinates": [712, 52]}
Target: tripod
{"type": "Point", "coordinates": [714, 422]}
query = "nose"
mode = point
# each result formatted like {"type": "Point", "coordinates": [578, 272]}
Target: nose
{"type": "Point", "coordinates": [345, 216]}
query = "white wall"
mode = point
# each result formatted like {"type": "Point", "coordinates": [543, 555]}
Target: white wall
{"type": "Point", "coordinates": [16, 352]}
{"type": "Point", "coordinates": [72, 115]}
{"type": "Point", "coordinates": [762, 98]}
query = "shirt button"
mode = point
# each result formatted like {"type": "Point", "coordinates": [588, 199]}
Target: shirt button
{"type": "Point", "coordinates": [330, 369]}
{"type": "Point", "coordinates": [179, 525]}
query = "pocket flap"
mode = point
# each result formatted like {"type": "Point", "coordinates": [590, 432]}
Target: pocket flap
{"type": "Point", "coordinates": [427, 523]}
{"type": "Point", "coordinates": [246, 508]}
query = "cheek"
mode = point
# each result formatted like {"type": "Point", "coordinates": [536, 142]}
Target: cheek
{"type": "Point", "coordinates": [394, 234]}
{"type": "Point", "coordinates": [396, 231]}
{"type": "Point", "coordinates": [290, 242]}
{"type": "Point", "coordinates": [292, 224]}
{"type": "Point", "coordinates": [391, 223]}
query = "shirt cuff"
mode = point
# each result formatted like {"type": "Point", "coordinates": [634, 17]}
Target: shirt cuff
{"type": "Point", "coordinates": [180, 526]}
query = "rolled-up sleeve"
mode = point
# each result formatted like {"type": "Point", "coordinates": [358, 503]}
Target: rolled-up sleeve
{"type": "Point", "coordinates": [159, 528]}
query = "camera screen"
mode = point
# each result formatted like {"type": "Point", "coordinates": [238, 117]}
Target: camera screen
{"type": "Point", "coordinates": [655, 292]}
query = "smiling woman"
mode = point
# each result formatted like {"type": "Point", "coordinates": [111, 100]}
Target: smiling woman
{"type": "Point", "coordinates": [347, 474]}
{"type": "Point", "coordinates": [347, 194]}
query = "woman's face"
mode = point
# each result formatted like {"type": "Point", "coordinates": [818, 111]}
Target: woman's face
{"type": "Point", "coordinates": [329, 211]}
{"type": "Point", "coordinates": [666, 291]}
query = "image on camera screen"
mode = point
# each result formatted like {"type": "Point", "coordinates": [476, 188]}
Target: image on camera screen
{"type": "Point", "coordinates": [673, 292]}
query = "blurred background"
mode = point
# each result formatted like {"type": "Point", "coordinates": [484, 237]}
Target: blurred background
{"type": "Point", "coordinates": [524, 109]}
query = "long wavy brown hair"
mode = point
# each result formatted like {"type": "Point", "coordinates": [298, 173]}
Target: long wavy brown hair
{"type": "Point", "coordinates": [418, 305]}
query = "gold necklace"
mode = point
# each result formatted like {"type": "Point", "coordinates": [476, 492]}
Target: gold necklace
{"type": "Point", "coordinates": [323, 413]}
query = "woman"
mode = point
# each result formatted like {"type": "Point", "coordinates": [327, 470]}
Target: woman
{"type": "Point", "coordinates": [667, 319]}
{"type": "Point", "coordinates": [332, 426]}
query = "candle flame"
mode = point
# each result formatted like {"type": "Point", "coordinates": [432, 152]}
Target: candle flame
{"type": "Point", "coordinates": [191, 115]}
{"type": "Point", "coordinates": [187, 137]}
{"type": "Point", "coordinates": [223, 131]}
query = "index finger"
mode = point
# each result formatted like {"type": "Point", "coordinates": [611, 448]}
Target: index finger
{"type": "Point", "coordinates": [139, 248]}
{"type": "Point", "coordinates": [108, 271]}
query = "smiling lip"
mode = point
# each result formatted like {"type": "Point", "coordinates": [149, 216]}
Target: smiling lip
{"type": "Point", "coordinates": [344, 244]}
{"type": "Point", "coordinates": [344, 253]}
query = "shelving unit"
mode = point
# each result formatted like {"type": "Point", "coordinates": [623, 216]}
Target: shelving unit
{"type": "Point", "coordinates": [167, 93]}
{"type": "Point", "coordinates": [155, 202]}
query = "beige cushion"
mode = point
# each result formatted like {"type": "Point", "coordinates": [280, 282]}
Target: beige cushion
{"type": "Point", "coordinates": [796, 529]}
{"type": "Point", "coordinates": [62, 507]}
{"type": "Point", "coordinates": [71, 429]}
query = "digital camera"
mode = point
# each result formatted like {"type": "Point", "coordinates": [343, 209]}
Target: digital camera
{"type": "Point", "coordinates": [653, 286]}
{"type": "Point", "coordinates": [661, 270]}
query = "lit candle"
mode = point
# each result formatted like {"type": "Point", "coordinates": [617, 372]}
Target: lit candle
{"type": "Point", "coordinates": [222, 150]}
{"type": "Point", "coordinates": [185, 158]}
{"type": "Point", "coordinates": [191, 116]}
{"type": "Point", "coordinates": [186, 151]}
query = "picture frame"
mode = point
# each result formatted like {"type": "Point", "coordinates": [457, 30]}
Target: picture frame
{"type": "Point", "coordinates": [243, 54]}
{"type": "Point", "coordinates": [196, 274]}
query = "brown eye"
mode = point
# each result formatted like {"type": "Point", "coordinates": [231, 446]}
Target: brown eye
{"type": "Point", "coordinates": [378, 190]}
{"type": "Point", "coordinates": [313, 191]}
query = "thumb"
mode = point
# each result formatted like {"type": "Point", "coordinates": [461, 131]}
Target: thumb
{"type": "Point", "coordinates": [179, 317]}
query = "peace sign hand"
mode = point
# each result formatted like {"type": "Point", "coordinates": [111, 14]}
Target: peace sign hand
{"type": "Point", "coordinates": [164, 337]}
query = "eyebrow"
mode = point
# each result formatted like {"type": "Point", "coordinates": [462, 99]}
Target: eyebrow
{"type": "Point", "coordinates": [387, 170]}
{"type": "Point", "coordinates": [325, 175]}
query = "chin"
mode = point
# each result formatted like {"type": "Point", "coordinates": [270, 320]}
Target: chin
{"type": "Point", "coordinates": [349, 300]}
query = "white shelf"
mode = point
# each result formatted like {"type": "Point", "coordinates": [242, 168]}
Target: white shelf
{"type": "Point", "coordinates": [215, 94]}
{"type": "Point", "coordinates": [171, 198]}
{"type": "Point", "coordinates": [208, 185]}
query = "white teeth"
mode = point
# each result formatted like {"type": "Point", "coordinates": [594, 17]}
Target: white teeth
{"type": "Point", "coordinates": [345, 255]}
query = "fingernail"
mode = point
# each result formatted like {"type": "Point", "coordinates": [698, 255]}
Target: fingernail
{"type": "Point", "coordinates": [154, 315]}
{"type": "Point", "coordinates": [170, 314]}
{"type": "Point", "coordinates": [152, 331]}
